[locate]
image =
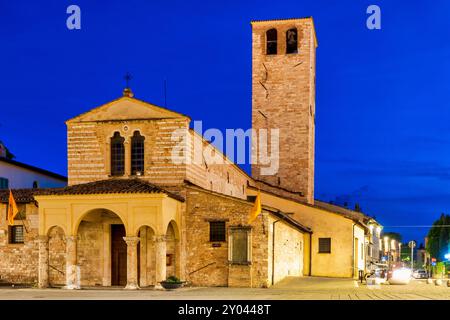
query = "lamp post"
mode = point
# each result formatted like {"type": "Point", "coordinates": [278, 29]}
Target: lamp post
{"type": "Point", "coordinates": [412, 244]}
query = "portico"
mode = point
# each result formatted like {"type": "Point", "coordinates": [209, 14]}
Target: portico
{"type": "Point", "coordinates": [118, 237]}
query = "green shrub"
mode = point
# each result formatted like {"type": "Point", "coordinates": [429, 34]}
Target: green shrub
{"type": "Point", "coordinates": [173, 279]}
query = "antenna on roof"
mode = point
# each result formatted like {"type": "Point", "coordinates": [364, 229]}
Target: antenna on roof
{"type": "Point", "coordinates": [165, 92]}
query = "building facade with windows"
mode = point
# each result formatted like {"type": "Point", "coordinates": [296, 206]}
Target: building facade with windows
{"type": "Point", "coordinates": [18, 175]}
{"type": "Point", "coordinates": [142, 204]}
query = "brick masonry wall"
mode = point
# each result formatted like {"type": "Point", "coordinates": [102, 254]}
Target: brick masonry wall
{"type": "Point", "coordinates": [19, 262]}
{"type": "Point", "coordinates": [203, 206]}
{"type": "Point", "coordinates": [283, 97]}
{"type": "Point", "coordinates": [89, 149]}
{"type": "Point", "coordinates": [89, 155]}
{"type": "Point", "coordinates": [225, 178]}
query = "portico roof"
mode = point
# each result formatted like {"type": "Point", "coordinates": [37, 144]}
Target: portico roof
{"type": "Point", "coordinates": [110, 186]}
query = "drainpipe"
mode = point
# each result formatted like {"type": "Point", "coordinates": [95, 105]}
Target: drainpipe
{"type": "Point", "coordinates": [310, 254]}
{"type": "Point", "coordinates": [273, 250]}
{"type": "Point", "coordinates": [353, 251]}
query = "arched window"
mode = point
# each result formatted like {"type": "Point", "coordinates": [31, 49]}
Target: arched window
{"type": "Point", "coordinates": [117, 155]}
{"type": "Point", "coordinates": [291, 41]}
{"type": "Point", "coordinates": [271, 41]}
{"type": "Point", "coordinates": [137, 154]}
{"type": "Point", "coordinates": [35, 184]}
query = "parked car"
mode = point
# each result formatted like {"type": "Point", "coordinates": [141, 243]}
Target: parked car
{"type": "Point", "coordinates": [420, 274]}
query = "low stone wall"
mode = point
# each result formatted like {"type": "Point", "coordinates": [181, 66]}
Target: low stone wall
{"type": "Point", "coordinates": [19, 262]}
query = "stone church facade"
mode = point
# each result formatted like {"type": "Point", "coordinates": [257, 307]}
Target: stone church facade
{"type": "Point", "coordinates": [131, 216]}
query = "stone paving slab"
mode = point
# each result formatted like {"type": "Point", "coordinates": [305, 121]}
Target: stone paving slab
{"type": "Point", "coordinates": [307, 288]}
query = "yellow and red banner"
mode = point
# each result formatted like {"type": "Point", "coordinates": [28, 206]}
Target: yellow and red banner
{"type": "Point", "coordinates": [12, 209]}
{"type": "Point", "coordinates": [256, 210]}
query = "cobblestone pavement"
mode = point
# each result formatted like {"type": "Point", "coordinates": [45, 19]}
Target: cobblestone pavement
{"type": "Point", "coordinates": [291, 288]}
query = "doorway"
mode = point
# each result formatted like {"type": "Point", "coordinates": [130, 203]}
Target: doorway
{"type": "Point", "coordinates": [118, 255]}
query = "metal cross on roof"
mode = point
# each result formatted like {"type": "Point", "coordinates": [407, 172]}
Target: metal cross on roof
{"type": "Point", "coordinates": [128, 78]}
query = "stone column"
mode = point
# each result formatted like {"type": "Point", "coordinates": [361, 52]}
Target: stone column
{"type": "Point", "coordinates": [177, 260]}
{"type": "Point", "coordinates": [43, 262]}
{"type": "Point", "coordinates": [160, 248]}
{"type": "Point", "coordinates": [127, 163]}
{"type": "Point", "coordinates": [143, 258]}
{"type": "Point", "coordinates": [72, 270]}
{"type": "Point", "coordinates": [132, 263]}
{"type": "Point", "coordinates": [106, 254]}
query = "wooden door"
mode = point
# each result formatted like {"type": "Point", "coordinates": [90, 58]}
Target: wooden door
{"type": "Point", "coordinates": [118, 256]}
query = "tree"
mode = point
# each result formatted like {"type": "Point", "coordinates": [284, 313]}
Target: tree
{"type": "Point", "coordinates": [438, 238]}
{"type": "Point", "coordinates": [393, 235]}
{"type": "Point", "coordinates": [9, 155]}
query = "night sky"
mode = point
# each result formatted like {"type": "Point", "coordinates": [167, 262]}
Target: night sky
{"type": "Point", "coordinates": [382, 130]}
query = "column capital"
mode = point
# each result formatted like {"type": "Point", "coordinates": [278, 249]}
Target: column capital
{"type": "Point", "coordinates": [43, 238]}
{"type": "Point", "coordinates": [131, 241]}
{"type": "Point", "coordinates": [71, 238]}
{"type": "Point", "coordinates": [160, 238]}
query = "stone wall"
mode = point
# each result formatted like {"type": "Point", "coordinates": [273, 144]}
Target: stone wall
{"type": "Point", "coordinates": [89, 155]}
{"type": "Point", "coordinates": [19, 262]}
{"type": "Point", "coordinates": [289, 250]}
{"type": "Point", "coordinates": [283, 97]}
{"type": "Point", "coordinates": [88, 146]}
{"type": "Point", "coordinates": [207, 262]}
{"type": "Point", "coordinates": [90, 253]}
{"type": "Point", "coordinates": [224, 177]}
{"type": "Point", "coordinates": [57, 257]}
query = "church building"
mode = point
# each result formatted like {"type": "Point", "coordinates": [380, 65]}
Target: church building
{"type": "Point", "coordinates": [131, 216]}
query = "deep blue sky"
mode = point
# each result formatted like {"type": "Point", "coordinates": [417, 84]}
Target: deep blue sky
{"type": "Point", "coordinates": [382, 131]}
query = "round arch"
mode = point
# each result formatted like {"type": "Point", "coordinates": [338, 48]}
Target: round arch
{"type": "Point", "coordinates": [137, 229]}
{"type": "Point", "coordinates": [50, 229]}
{"type": "Point", "coordinates": [176, 230]}
{"type": "Point", "coordinates": [77, 223]}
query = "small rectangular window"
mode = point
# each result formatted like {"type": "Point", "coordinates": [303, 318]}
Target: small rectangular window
{"type": "Point", "coordinates": [16, 234]}
{"type": "Point", "coordinates": [4, 183]}
{"type": "Point", "coordinates": [239, 246]}
{"type": "Point", "coordinates": [217, 231]}
{"type": "Point", "coordinates": [324, 245]}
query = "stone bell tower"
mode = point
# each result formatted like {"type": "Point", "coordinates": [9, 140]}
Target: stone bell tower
{"type": "Point", "coordinates": [283, 97]}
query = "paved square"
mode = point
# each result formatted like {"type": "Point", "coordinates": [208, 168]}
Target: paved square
{"type": "Point", "coordinates": [307, 288]}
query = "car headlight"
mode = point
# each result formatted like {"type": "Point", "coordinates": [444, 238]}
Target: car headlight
{"type": "Point", "coordinates": [401, 274]}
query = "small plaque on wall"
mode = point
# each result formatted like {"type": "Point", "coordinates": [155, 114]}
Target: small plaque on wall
{"type": "Point", "coordinates": [216, 245]}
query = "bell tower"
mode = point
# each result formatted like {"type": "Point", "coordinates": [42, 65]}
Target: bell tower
{"type": "Point", "coordinates": [283, 97]}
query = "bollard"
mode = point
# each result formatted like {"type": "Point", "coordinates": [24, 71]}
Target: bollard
{"type": "Point", "coordinates": [438, 282]}
{"type": "Point", "coordinates": [429, 281]}
{"type": "Point", "coordinates": [448, 283]}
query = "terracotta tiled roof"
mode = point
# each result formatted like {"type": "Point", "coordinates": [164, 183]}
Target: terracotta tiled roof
{"type": "Point", "coordinates": [110, 186]}
{"type": "Point", "coordinates": [354, 215]}
{"type": "Point", "coordinates": [20, 195]}
{"type": "Point", "coordinates": [285, 217]}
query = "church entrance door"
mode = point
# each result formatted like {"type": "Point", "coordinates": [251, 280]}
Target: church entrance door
{"type": "Point", "coordinates": [118, 255]}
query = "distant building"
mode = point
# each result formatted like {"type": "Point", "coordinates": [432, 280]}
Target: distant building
{"type": "Point", "coordinates": [18, 175]}
{"type": "Point", "coordinates": [373, 244]}
{"type": "Point", "coordinates": [391, 249]}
